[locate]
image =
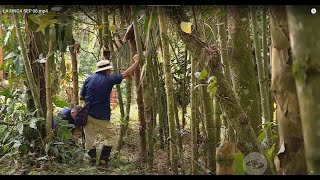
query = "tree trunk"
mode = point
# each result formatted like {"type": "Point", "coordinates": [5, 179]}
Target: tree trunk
{"type": "Point", "coordinates": [184, 93]}
{"type": "Point", "coordinates": [217, 122]}
{"type": "Point", "coordinates": [169, 90]}
{"type": "Point", "coordinates": [160, 106]}
{"type": "Point", "coordinates": [1, 56]}
{"type": "Point", "coordinates": [266, 58]}
{"type": "Point", "coordinates": [303, 28]}
{"type": "Point", "coordinates": [142, 128]}
{"type": "Point", "coordinates": [178, 129]}
{"type": "Point", "coordinates": [203, 134]}
{"type": "Point", "coordinates": [246, 137]}
{"type": "Point", "coordinates": [100, 33]}
{"type": "Point", "coordinates": [105, 36]}
{"type": "Point", "coordinates": [165, 115]}
{"type": "Point", "coordinates": [73, 55]}
{"type": "Point", "coordinates": [107, 55]}
{"type": "Point", "coordinates": [223, 21]}
{"type": "Point", "coordinates": [31, 80]}
{"type": "Point", "coordinates": [243, 75]}
{"type": "Point", "coordinates": [35, 40]}
{"type": "Point", "coordinates": [292, 160]}
{"type": "Point", "coordinates": [225, 158]}
{"type": "Point", "coordinates": [149, 95]}
{"type": "Point", "coordinates": [263, 83]}
{"type": "Point", "coordinates": [194, 121]}
{"type": "Point", "coordinates": [49, 115]}
{"type": "Point", "coordinates": [124, 124]}
{"type": "Point", "coordinates": [209, 123]}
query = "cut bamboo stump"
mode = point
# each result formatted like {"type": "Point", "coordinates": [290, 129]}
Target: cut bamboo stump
{"type": "Point", "coordinates": [225, 155]}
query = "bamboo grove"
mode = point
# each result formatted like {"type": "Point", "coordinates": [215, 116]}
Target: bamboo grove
{"type": "Point", "coordinates": [214, 83]}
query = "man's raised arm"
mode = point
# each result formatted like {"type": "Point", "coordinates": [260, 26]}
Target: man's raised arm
{"type": "Point", "coordinates": [132, 68]}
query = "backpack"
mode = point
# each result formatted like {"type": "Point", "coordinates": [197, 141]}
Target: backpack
{"type": "Point", "coordinates": [82, 115]}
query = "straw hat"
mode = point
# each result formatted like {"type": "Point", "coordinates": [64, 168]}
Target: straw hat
{"type": "Point", "coordinates": [103, 65]}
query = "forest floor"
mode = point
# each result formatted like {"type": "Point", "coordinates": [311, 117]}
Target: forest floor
{"type": "Point", "coordinates": [73, 161]}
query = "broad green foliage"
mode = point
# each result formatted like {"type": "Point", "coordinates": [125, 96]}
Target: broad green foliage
{"type": "Point", "coordinates": [22, 136]}
{"type": "Point", "coordinates": [211, 82]}
{"type": "Point", "coordinates": [23, 139]}
{"type": "Point", "coordinates": [212, 88]}
{"type": "Point", "coordinates": [268, 152]}
{"type": "Point", "coordinates": [44, 20]}
{"type": "Point", "coordinates": [203, 74]}
{"type": "Point", "coordinates": [59, 103]}
{"type": "Point", "coordinates": [239, 169]}
{"type": "Point", "coordinates": [11, 32]}
{"type": "Point", "coordinates": [13, 62]}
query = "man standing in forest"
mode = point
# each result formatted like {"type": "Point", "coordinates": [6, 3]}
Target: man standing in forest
{"type": "Point", "coordinates": [97, 89]}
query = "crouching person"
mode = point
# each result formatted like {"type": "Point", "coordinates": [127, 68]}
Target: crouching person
{"type": "Point", "coordinates": [96, 90]}
{"type": "Point", "coordinates": [69, 115]}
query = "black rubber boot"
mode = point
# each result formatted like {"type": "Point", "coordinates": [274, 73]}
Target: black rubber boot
{"type": "Point", "coordinates": [93, 156]}
{"type": "Point", "coordinates": [104, 156]}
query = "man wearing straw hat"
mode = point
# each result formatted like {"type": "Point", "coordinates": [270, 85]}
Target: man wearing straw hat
{"type": "Point", "coordinates": [97, 89]}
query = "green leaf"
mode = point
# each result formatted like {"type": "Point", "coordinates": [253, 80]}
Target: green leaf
{"type": "Point", "coordinates": [267, 125]}
{"type": "Point", "coordinates": [10, 55]}
{"type": "Point", "coordinates": [6, 147]}
{"type": "Point", "coordinates": [112, 28]}
{"type": "Point", "coordinates": [46, 17]}
{"type": "Point", "coordinates": [47, 147]}
{"type": "Point", "coordinates": [239, 169]}
{"type": "Point", "coordinates": [7, 37]}
{"type": "Point", "coordinates": [203, 74]}
{"type": "Point", "coordinates": [10, 33]}
{"type": "Point", "coordinates": [212, 79]}
{"type": "Point", "coordinates": [99, 27]}
{"type": "Point", "coordinates": [42, 26]}
{"type": "Point", "coordinates": [33, 123]}
{"type": "Point", "coordinates": [7, 93]}
{"type": "Point", "coordinates": [186, 27]}
{"type": "Point", "coordinates": [59, 103]}
{"type": "Point", "coordinates": [268, 153]}
{"type": "Point", "coordinates": [34, 18]}
{"type": "Point", "coordinates": [53, 21]}
{"type": "Point", "coordinates": [261, 136]}
{"type": "Point", "coordinates": [18, 65]}
{"type": "Point", "coordinates": [271, 150]}
{"type": "Point", "coordinates": [146, 23]}
{"type": "Point", "coordinates": [212, 89]}
{"type": "Point", "coordinates": [24, 149]}
{"type": "Point", "coordinates": [6, 136]}
{"type": "Point", "coordinates": [3, 66]}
